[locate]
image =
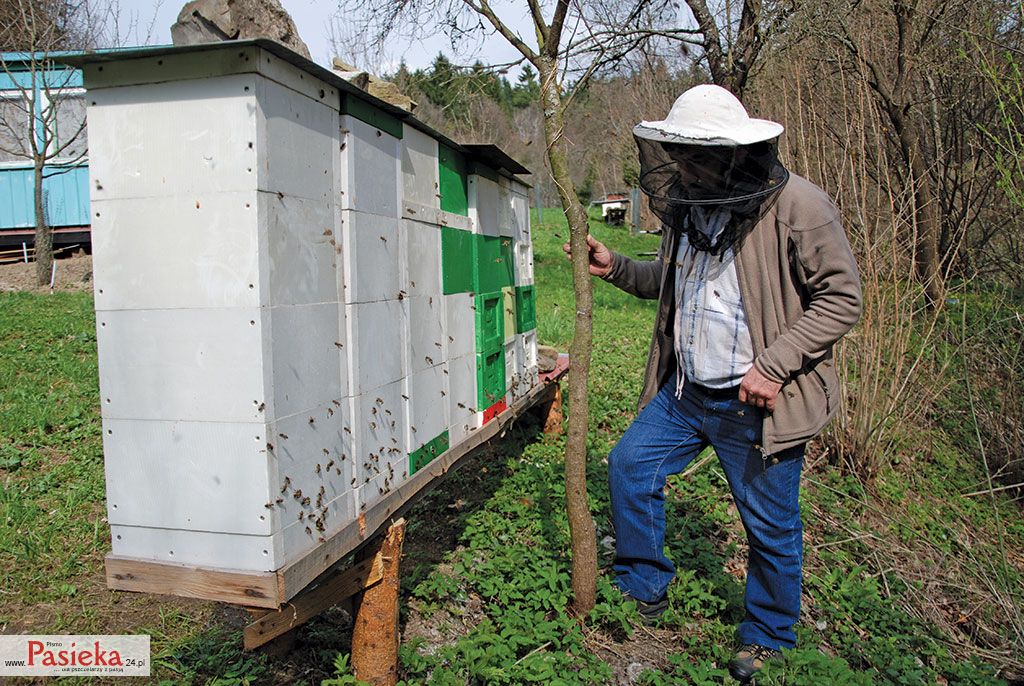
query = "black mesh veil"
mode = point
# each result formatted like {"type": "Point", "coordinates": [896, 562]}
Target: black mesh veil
{"type": "Point", "coordinates": [682, 179]}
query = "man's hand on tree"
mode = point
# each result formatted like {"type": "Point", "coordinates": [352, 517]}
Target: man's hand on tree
{"type": "Point", "coordinates": [600, 256]}
{"type": "Point", "coordinates": [757, 389]}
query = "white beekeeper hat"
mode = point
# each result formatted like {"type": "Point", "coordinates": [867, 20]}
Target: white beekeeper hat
{"type": "Point", "coordinates": [708, 115]}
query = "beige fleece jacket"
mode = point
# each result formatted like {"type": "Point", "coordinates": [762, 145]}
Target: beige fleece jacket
{"type": "Point", "coordinates": [801, 293]}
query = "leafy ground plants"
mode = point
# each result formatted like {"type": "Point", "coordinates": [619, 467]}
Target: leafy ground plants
{"type": "Point", "coordinates": [486, 568]}
{"type": "Point", "coordinates": [502, 593]}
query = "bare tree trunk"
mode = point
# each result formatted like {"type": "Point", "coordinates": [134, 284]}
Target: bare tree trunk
{"type": "Point", "coordinates": [581, 523]}
{"type": "Point", "coordinates": [926, 252]}
{"type": "Point", "coordinates": [926, 210]}
{"type": "Point", "coordinates": [731, 52]}
{"type": "Point", "coordinates": [43, 237]}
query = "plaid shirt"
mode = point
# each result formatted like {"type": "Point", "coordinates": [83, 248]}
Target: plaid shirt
{"type": "Point", "coordinates": [712, 341]}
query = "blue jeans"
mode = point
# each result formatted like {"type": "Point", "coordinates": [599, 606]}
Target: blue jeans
{"type": "Point", "coordinates": [664, 438]}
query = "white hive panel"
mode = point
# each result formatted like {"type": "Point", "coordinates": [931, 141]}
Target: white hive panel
{"type": "Point", "coordinates": [184, 251]}
{"type": "Point", "coordinates": [506, 216]}
{"type": "Point", "coordinates": [303, 535]}
{"type": "Point", "coordinates": [183, 364]}
{"type": "Point", "coordinates": [284, 72]}
{"type": "Point", "coordinates": [370, 168]}
{"type": "Point", "coordinates": [377, 344]}
{"type": "Point", "coordinates": [291, 122]}
{"type": "Point", "coordinates": [461, 317]}
{"type": "Point", "coordinates": [167, 68]}
{"type": "Point", "coordinates": [522, 382]}
{"type": "Point", "coordinates": [298, 442]}
{"type": "Point", "coordinates": [426, 332]}
{"type": "Point", "coordinates": [429, 411]}
{"type": "Point", "coordinates": [455, 221]}
{"type": "Point", "coordinates": [483, 205]}
{"type": "Point", "coordinates": [508, 311]}
{"type": "Point", "coordinates": [372, 247]}
{"type": "Point", "coordinates": [511, 365]}
{"type": "Point", "coordinates": [462, 396]}
{"type": "Point", "coordinates": [344, 351]}
{"type": "Point", "coordinates": [313, 463]}
{"type": "Point", "coordinates": [419, 168]}
{"type": "Point", "coordinates": [427, 215]}
{"type": "Point", "coordinates": [201, 476]}
{"type": "Point", "coordinates": [531, 378]}
{"type": "Point", "coordinates": [423, 258]}
{"type": "Point", "coordinates": [376, 489]}
{"type": "Point", "coordinates": [380, 425]}
{"type": "Point", "coordinates": [520, 214]}
{"type": "Point", "coordinates": [306, 364]}
{"type": "Point", "coordinates": [300, 245]}
{"type": "Point", "coordinates": [199, 548]}
{"type": "Point", "coordinates": [527, 352]}
{"type": "Point", "coordinates": [175, 139]}
{"type": "Point", "coordinates": [523, 256]}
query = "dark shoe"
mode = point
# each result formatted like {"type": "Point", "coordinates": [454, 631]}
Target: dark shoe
{"type": "Point", "coordinates": [649, 612]}
{"type": "Point", "coordinates": [749, 661]}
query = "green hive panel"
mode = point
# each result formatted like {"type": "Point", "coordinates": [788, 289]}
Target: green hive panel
{"type": "Point", "coordinates": [419, 459]}
{"type": "Point", "coordinates": [452, 181]}
{"type": "Point", "coordinates": [490, 322]}
{"type": "Point", "coordinates": [507, 265]}
{"type": "Point", "coordinates": [493, 264]}
{"type": "Point", "coordinates": [526, 309]}
{"type": "Point", "coordinates": [374, 116]}
{"type": "Point", "coordinates": [486, 264]}
{"type": "Point", "coordinates": [458, 255]}
{"type": "Point", "coordinates": [490, 377]}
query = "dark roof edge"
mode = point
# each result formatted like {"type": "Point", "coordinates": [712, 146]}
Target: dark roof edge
{"type": "Point", "coordinates": [495, 157]}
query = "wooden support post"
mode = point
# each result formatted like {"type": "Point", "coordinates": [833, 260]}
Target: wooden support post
{"type": "Point", "coordinates": [276, 646]}
{"type": "Point", "coordinates": [553, 411]}
{"type": "Point", "coordinates": [375, 633]}
{"type": "Point", "coordinates": [338, 585]}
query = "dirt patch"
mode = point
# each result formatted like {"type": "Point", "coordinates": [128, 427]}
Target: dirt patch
{"type": "Point", "coordinates": [438, 627]}
{"type": "Point", "coordinates": [647, 649]}
{"type": "Point", "coordinates": [74, 273]}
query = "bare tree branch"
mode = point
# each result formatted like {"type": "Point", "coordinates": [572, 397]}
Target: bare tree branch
{"type": "Point", "coordinates": [554, 37]}
{"type": "Point", "coordinates": [483, 7]}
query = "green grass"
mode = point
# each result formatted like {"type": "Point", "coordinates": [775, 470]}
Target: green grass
{"type": "Point", "coordinates": [51, 462]}
{"type": "Point", "coordinates": [487, 555]}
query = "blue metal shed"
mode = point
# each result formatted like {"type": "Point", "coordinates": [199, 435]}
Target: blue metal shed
{"type": "Point", "coordinates": [28, 84]}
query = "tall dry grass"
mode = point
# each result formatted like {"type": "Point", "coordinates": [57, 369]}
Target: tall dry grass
{"type": "Point", "coordinates": [911, 371]}
{"type": "Point", "coordinates": [836, 136]}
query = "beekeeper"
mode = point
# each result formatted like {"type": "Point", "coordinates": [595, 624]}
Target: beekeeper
{"type": "Point", "coordinates": [755, 282]}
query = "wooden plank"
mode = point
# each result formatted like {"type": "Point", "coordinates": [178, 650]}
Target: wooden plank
{"type": "Point", "coordinates": [229, 586]}
{"type": "Point", "coordinates": [301, 573]}
{"type": "Point", "coordinates": [375, 632]}
{"type": "Point", "coordinates": [336, 587]}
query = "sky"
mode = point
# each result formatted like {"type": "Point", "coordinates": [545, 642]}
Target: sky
{"type": "Point", "coordinates": [313, 19]}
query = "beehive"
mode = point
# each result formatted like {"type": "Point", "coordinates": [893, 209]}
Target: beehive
{"type": "Point", "coordinates": [303, 297]}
